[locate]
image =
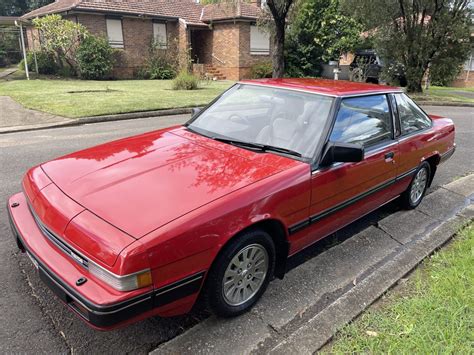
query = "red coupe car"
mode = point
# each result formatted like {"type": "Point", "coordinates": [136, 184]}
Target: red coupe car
{"type": "Point", "coordinates": [142, 226]}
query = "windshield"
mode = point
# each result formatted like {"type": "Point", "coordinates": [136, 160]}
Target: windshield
{"type": "Point", "coordinates": [267, 116]}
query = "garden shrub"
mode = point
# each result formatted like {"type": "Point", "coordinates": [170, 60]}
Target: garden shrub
{"type": "Point", "coordinates": [261, 70]}
{"type": "Point", "coordinates": [185, 81]}
{"type": "Point", "coordinates": [46, 63]}
{"type": "Point", "coordinates": [160, 64]}
{"type": "Point", "coordinates": [95, 58]}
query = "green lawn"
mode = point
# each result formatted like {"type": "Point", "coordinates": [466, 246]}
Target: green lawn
{"type": "Point", "coordinates": [433, 313]}
{"type": "Point", "coordinates": [446, 94]}
{"type": "Point", "coordinates": [80, 98]}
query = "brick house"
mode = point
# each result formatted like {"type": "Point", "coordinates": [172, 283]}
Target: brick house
{"type": "Point", "coordinates": [222, 38]}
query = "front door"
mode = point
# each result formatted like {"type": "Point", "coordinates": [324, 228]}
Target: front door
{"type": "Point", "coordinates": [343, 192]}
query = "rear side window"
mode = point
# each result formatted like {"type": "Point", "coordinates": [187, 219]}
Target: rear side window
{"type": "Point", "coordinates": [412, 119]}
{"type": "Point", "coordinates": [365, 120]}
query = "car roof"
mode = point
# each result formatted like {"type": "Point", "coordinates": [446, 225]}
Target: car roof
{"type": "Point", "coordinates": [324, 86]}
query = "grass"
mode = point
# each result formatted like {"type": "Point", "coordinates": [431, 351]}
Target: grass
{"type": "Point", "coordinates": [432, 313]}
{"type": "Point", "coordinates": [445, 94]}
{"type": "Point", "coordinates": [81, 98]}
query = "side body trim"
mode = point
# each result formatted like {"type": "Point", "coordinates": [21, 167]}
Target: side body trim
{"type": "Point", "coordinates": [317, 217]}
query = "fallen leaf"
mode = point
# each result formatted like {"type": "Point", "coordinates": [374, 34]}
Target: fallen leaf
{"type": "Point", "coordinates": [371, 333]}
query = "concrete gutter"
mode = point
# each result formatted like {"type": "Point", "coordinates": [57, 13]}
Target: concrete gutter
{"type": "Point", "coordinates": [96, 119]}
{"type": "Point", "coordinates": [302, 312]}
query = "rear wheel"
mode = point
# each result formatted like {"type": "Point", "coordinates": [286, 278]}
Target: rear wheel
{"type": "Point", "coordinates": [241, 273]}
{"type": "Point", "coordinates": [413, 196]}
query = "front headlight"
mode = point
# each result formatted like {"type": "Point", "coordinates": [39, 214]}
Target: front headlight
{"type": "Point", "coordinates": [122, 283]}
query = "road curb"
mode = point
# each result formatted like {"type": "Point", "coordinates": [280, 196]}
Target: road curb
{"type": "Point", "coordinates": [308, 320]}
{"type": "Point", "coordinates": [442, 103]}
{"type": "Point", "coordinates": [157, 113]}
{"type": "Point", "coordinates": [98, 119]}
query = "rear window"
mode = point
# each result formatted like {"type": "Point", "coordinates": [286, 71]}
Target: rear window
{"type": "Point", "coordinates": [412, 118]}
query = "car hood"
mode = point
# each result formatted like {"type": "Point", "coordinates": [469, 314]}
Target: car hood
{"type": "Point", "coordinates": [141, 183]}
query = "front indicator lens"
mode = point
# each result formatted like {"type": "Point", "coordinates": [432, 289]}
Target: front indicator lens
{"type": "Point", "coordinates": [122, 283]}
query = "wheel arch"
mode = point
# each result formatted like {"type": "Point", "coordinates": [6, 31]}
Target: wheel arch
{"type": "Point", "coordinates": [433, 160]}
{"type": "Point", "coordinates": [277, 231]}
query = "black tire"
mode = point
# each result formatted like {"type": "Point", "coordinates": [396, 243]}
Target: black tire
{"type": "Point", "coordinates": [406, 200]}
{"type": "Point", "coordinates": [215, 280]}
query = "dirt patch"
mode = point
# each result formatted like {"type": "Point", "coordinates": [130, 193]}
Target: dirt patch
{"type": "Point", "coordinates": [91, 91]}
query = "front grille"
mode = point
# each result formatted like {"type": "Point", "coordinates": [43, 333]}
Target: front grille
{"type": "Point", "coordinates": [73, 254]}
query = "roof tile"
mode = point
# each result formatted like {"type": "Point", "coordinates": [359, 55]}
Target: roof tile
{"type": "Point", "coordinates": [189, 10]}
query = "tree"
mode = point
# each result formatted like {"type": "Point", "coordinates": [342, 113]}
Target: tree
{"type": "Point", "coordinates": [279, 10]}
{"type": "Point", "coordinates": [319, 32]}
{"type": "Point", "coordinates": [20, 7]}
{"type": "Point", "coordinates": [61, 38]}
{"type": "Point", "coordinates": [417, 33]}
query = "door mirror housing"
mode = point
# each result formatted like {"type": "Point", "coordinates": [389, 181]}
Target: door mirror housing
{"type": "Point", "coordinates": [337, 152]}
{"type": "Point", "coordinates": [195, 111]}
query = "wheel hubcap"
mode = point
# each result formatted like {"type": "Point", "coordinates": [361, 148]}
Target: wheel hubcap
{"type": "Point", "coordinates": [418, 186]}
{"type": "Point", "coordinates": [245, 274]}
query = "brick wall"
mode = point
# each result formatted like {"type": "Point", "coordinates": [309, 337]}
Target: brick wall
{"type": "Point", "coordinates": [461, 81]}
{"type": "Point", "coordinates": [225, 45]}
{"type": "Point", "coordinates": [32, 39]}
{"type": "Point", "coordinates": [247, 60]}
{"type": "Point", "coordinates": [137, 38]}
{"type": "Point", "coordinates": [94, 23]}
{"type": "Point", "coordinates": [231, 44]}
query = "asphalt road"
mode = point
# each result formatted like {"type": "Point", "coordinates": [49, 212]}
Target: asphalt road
{"type": "Point", "coordinates": [33, 320]}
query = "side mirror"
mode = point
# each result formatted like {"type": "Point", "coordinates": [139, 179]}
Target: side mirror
{"type": "Point", "coordinates": [195, 111]}
{"type": "Point", "coordinates": [337, 152]}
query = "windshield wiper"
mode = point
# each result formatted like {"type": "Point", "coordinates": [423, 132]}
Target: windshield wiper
{"type": "Point", "coordinates": [250, 145]}
{"type": "Point", "coordinates": [257, 146]}
{"type": "Point", "coordinates": [282, 150]}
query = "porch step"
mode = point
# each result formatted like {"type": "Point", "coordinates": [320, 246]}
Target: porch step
{"type": "Point", "coordinates": [214, 72]}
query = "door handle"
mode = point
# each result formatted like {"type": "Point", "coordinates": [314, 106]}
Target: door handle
{"type": "Point", "coordinates": [389, 155]}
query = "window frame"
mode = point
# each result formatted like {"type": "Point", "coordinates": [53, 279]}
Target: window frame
{"type": "Point", "coordinates": [160, 45]}
{"type": "Point", "coordinates": [118, 44]}
{"type": "Point", "coordinates": [409, 134]}
{"type": "Point", "coordinates": [318, 155]}
{"type": "Point", "coordinates": [258, 51]}
{"type": "Point", "coordinates": [375, 145]}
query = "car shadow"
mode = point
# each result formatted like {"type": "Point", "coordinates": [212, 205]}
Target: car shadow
{"type": "Point", "coordinates": [341, 235]}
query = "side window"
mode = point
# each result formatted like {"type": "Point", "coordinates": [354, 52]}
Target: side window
{"type": "Point", "coordinates": [365, 120]}
{"type": "Point", "coordinates": [412, 119]}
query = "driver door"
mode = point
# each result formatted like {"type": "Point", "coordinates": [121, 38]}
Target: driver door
{"type": "Point", "coordinates": [343, 192]}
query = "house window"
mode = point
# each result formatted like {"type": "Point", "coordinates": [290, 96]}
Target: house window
{"type": "Point", "coordinates": [259, 41]}
{"type": "Point", "coordinates": [114, 32]}
{"type": "Point", "coordinates": [159, 35]}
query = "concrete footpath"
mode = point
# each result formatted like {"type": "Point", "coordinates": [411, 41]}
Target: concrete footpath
{"type": "Point", "coordinates": [301, 313]}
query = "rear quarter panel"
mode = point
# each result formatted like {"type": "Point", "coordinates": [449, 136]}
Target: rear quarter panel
{"type": "Point", "coordinates": [433, 142]}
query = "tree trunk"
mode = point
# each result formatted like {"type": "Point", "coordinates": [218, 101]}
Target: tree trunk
{"type": "Point", "coordinates": [278, 58]}
{"type": "Point", "coordinates": [414, 76]}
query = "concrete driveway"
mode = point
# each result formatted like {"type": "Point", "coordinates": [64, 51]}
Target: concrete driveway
{"type": "Point", "coordinates": [33, 320]}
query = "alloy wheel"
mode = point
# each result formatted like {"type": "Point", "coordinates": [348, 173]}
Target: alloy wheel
{"type": "Point", "coordinates": [245, 274]}
{"type": "Point", "coordinates": [418, 186]}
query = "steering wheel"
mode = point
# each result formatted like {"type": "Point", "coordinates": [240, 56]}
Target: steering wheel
{"type": "Point", "coordinates": [235, 117]}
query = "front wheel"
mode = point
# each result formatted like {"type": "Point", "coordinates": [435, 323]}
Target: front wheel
{"type": "Point", "coordinates": [412, 197]}
{"type": "Point", "coordinates": [241, 273]}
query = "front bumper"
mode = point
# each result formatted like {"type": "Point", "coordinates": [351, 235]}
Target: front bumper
{"type": "Point", "coordinates": [114, 308]}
